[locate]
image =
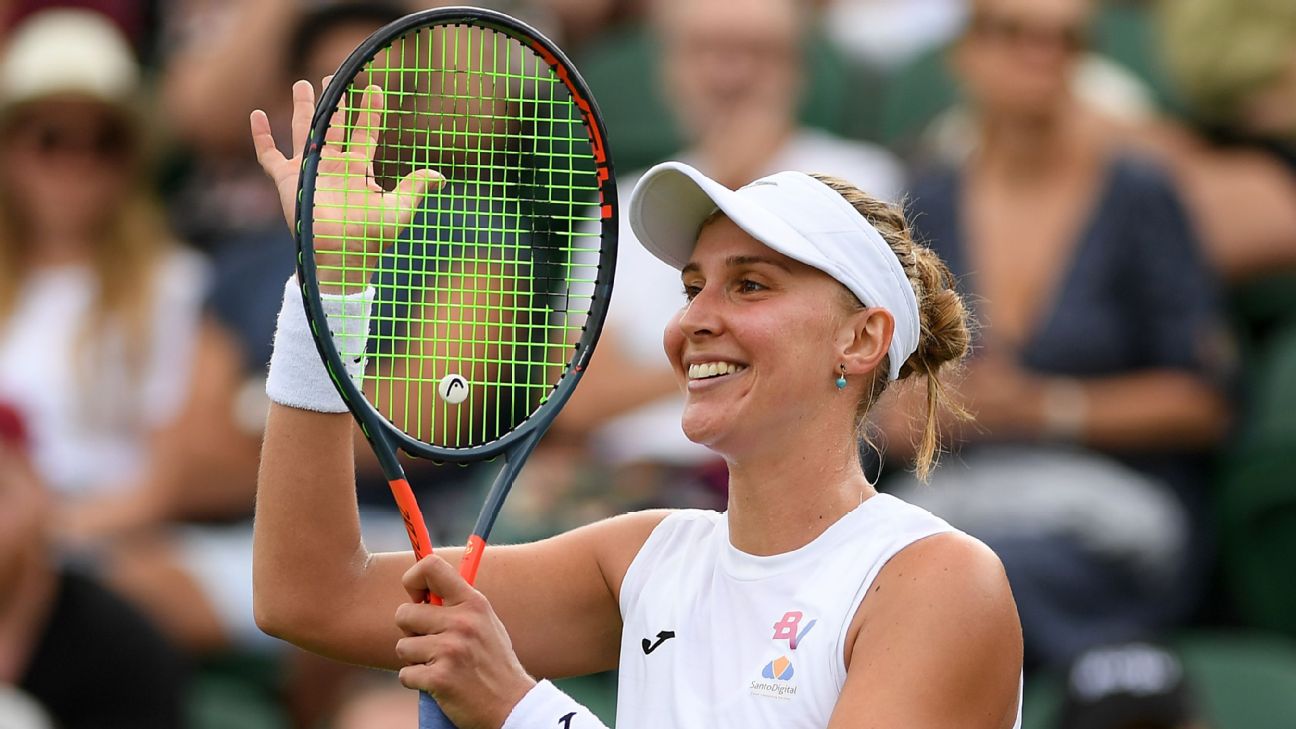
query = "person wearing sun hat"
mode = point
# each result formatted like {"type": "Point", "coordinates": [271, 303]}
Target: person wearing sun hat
{"type": "Point", "coordinates": [102, 328]}
{"type": "Point", "coordinates": [68, 52]}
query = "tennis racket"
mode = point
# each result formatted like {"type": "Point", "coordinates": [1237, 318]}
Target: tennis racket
{"type": "Point", "coordinates": [487, 305]}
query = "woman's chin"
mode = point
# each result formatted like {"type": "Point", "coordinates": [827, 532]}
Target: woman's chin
{"type": "Point", "coordinates": [701, 429]}
{"type": "Point", "coordinates": [713, 430]}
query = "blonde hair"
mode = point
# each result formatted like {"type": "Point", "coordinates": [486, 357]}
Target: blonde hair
{"type": "Point", "coordinates": [945, 325]}
{"type": "Point", "coordinates": [131, 244]}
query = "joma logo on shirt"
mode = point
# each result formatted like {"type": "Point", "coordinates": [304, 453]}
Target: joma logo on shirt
{"type": "Point", "coordinates": [787, 628]}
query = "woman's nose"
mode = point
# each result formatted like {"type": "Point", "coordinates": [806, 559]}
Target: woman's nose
{"type": "Point", "coordinates": [702, 315]}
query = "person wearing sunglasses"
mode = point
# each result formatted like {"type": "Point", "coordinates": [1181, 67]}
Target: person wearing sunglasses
{"type": "Point", "coordinates": [103, 342]}
{"type": "Point", "coordinates": [1097, 380]}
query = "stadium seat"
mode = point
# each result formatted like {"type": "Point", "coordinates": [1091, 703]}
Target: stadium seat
{"type": "Point", "coordinates": [1257, 491]}
{"type": "Point", "coordinates": [237, 691]}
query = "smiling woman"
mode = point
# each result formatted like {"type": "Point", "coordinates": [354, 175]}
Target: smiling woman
{"type": "Point", "coordinates": [812, 602]}
{"type": "Point", "coordinates": [852, 242]}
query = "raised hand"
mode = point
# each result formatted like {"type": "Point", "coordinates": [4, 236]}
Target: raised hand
{"type": "Point", "coordinates": [354, 218]}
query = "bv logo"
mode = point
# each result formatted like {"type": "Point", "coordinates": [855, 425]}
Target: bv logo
{"type": "Point", "coordinates": [789, 628]}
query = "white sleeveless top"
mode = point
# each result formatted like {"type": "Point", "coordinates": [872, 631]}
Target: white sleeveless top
{"type": "Point", "coordinates": [714, 637]}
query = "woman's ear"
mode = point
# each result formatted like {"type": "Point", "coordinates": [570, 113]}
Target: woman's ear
{"type": "Point", "coordinates": [865, 343]}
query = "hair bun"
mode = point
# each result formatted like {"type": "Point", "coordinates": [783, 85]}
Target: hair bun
{"type": "Point", "coordinates": [945, 333]}
{"type": "Point", "coordinates": [943, 317]}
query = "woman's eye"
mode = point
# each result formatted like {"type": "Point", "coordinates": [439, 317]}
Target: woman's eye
{"type": "Point", "coordinates": [748, 286]}
{"type": "Point", "coordinates": [690, 291]}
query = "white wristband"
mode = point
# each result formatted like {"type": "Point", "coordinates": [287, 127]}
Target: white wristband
{"type": "Point", "coordinates": [545, 706]}
{"type": "Point", "coordinates": [298, 377]}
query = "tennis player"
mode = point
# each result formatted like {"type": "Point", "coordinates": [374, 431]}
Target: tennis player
{"type": "Point", "coordinates": [813, 601]}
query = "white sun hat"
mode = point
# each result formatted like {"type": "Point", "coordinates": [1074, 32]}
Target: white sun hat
{"type": "Point", "coordinates": [792, 213]}
{"type": "Point", "coordinates": [67, 51]}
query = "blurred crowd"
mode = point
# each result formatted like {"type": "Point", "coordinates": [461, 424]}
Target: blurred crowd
{"type": "Point", "coordinates": [1113, 183]}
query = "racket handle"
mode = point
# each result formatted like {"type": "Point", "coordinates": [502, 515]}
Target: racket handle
{"type": "Point", "coordinates": [430, 714]}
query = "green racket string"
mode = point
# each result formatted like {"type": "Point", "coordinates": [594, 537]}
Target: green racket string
{"type": "Point", "coordinates": [494, 277]}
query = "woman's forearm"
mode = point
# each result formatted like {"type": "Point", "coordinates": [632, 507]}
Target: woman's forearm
{"type": "Point", "coordinates": [216, 76]}
{"type": "Point", "coordinates": [1152, 410]}
{"type": "Point", "coordinates": [308, 554]}
{"type": "Point", "coordinates": [1149, 410]}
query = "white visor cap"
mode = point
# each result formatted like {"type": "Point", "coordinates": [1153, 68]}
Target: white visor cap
{"type": "Point", "coordinates": [792, 213]}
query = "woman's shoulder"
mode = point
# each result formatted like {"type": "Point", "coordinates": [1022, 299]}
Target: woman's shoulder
{"type": "Point", "coordinates": [945, 552]}
{"type": "Point", "coordinates": [620, 538]}
{"type": "Point", "coordinates": [1142, 203]}
{"type": "Point", "coordinates": [940, 617]}
{"type": "Point", "coordinates": [946, 578]}
{"type": "Point", "coordinates": [641, 531]}
{"type": "Point", "coordinates": [1138, 170]}
{"type": "Point", "coordinates": [1136, 180]}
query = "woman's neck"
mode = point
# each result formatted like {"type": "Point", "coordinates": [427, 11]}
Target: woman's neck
{"type": "Point", "coordinates": [787, 494]}
{"type": "Point", "coordinates": [1023, 149]}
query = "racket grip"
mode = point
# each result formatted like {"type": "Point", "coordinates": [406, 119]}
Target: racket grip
{"type": "Point", "coordinates": [430, 714]}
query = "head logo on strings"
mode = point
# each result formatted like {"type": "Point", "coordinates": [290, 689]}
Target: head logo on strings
{"type": "Point", "coordinates": [453, 389]}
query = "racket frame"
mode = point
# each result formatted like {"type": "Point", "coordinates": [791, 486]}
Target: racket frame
{"type": "Point", "coordinates": [384, 437]}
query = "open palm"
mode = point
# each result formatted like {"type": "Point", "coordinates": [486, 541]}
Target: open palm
{"type": "Point", "coordinates": [354, 218]}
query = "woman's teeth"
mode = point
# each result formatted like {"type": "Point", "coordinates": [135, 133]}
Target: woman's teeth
{"type": "Point", "coordinates": [704, 370]}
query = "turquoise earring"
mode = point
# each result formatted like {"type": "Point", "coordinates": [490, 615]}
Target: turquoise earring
{"type": "Point", "coordinates": [841, 379]}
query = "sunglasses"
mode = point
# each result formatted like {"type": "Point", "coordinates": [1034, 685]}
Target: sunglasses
{"type": "Point", "coordinates": [1017, 31]}
{"type": "Point", "coordinates": [106, 140]}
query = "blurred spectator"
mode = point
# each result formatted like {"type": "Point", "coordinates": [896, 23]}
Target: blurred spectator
{"type": "Point", "coordinates": [216, 69]}
{"type": "Point", "coordinates": [1235, 63]}
{"type": "Point", "coordinates": [1130, 686]}
{"type": "Point", "coordinates": [133, 17]}
{"type": "Point", "coordinates": [921, 106]}
{"type": "Point", "coordinates": [1096, 381]}
{"type": "Point", "coordinates": [82, 653]}
{"type": "Point", "coordinates": [1253, 91]}
{"type": "Point", "coordinates": [252, 249]}
{"type": "Point", "coordinates": [734, 75]}
{"type": "Point", "coordinates": [581, 20]}
{"type": "Point", "coordinates": [889, 33]}
{"type": "Point", "coordinates": [104, 346]}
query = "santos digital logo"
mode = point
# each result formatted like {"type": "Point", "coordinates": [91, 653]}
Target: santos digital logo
{"type": "Point", "coordinates": [778, 671]}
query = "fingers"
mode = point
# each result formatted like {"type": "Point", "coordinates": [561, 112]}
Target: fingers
{"type": "Point", "coordinates": [368, 124]}
{"type": "Point", "coordinates": [422, 677]}
{"type": "Point", "coordinates": [409, 193]}
{"type": "Point", "coordinates": [303, 110]}
{"type": "Point", "coordinates": [426, 660]}
{"type": "Point", "coordinates": [417, 618]}
{"type": "Point", "coordinates": [435, 575]}
{"type": "Point", "coordinates": [263, 141]}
